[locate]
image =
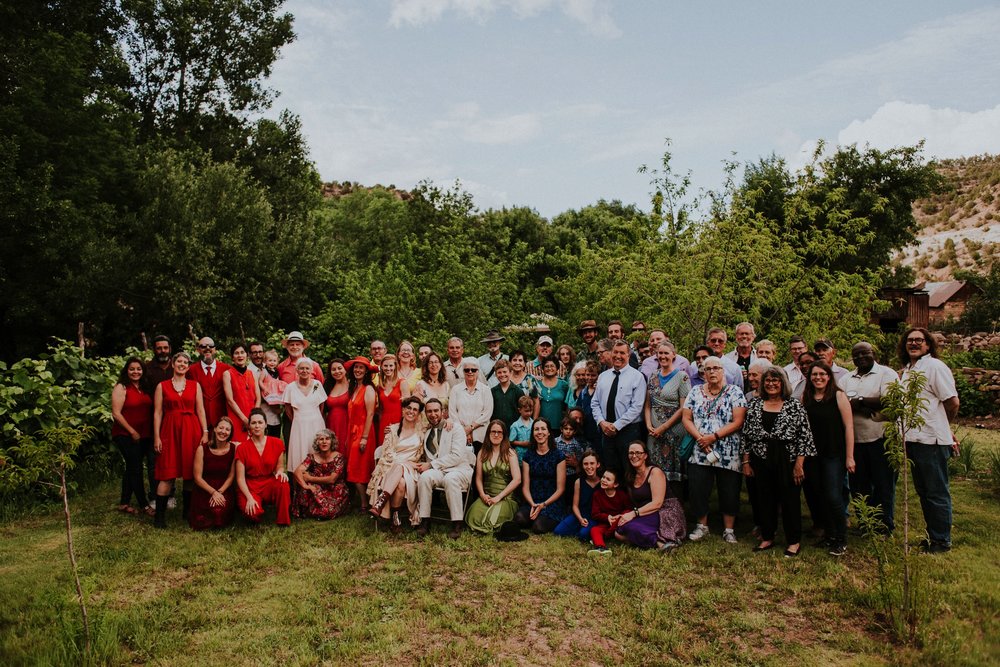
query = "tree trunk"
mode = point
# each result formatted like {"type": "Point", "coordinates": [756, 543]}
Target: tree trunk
{"type": "Point", "coordinates": [72, 559]}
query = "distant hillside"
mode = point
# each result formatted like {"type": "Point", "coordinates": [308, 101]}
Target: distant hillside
{"type": "Point", "coordinates": [960, 227]}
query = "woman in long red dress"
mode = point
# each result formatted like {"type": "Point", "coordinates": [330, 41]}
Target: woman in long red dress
{"type": "Point", "coordinates": [260, 473]}
{"type": "Point", "coordinates": [337, 399]}
{"type": "Point", "coordinates": [214, 496]}
{"type": "Point", "coordinates": [240, 387]}
{"type": "Point", "coordinates": [392, 389]}
{"type": "Point", "coordinates": [360, 427]}
{"type": "Point", "coordinates": [178, 428]}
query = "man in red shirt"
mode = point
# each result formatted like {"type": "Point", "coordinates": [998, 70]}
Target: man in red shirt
{"type": "Point", "coordinates": [295, 344]}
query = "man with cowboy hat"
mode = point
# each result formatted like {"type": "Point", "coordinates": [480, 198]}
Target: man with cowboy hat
{"type": "Point", "coordinates": [590, 333]}
{"type": "Point", "coordinates": [493, 355]}
{"type": "Point", "coordinates": [295, 344]}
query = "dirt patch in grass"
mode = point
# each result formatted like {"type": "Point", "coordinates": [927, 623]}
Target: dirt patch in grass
{"type": "Point", "coordinates": [142, 589]}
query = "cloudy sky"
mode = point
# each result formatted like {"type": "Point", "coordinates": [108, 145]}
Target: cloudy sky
{"type": "Point", "coordinates": [553, 104]}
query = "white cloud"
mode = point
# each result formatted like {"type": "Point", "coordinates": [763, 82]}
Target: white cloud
{"type": "Point", "coordinates": [467, 120]}
{"type": "Point", "coordinates": [593, 15]}
{"type": "Point", "coordinates": [948, 132]}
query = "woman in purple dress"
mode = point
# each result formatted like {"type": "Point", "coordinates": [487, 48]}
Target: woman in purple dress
{"type": "Point", "coordinates": [647, 487]}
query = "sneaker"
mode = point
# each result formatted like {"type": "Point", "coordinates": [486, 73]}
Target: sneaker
{"type": "Point", "coordinates": [171, 504]}
{"type": "Point", "coordinates": [599, 551]}
{"type": "Point", "coordinates": [700, 531]}
{"type": "Point", "coordinates": [729, 536]}
{"type": "Point", "coordinates": [837, 550]}
{"type": "Point", "coordinates": [937, 548]}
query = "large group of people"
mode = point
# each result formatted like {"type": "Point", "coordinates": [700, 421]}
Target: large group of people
{"type": "Point", "coordinates": [612, 441]}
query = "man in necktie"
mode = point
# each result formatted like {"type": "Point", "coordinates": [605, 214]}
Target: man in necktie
{"type": "Point", "coordinates": [617, 407]}
{"type": "Point", "coordinates": [208, 373]}
{"type": "Point", "coordinates": [448, 465]}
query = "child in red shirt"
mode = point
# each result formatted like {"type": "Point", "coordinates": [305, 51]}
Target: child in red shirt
{"type": "Point", "coordinates": [608, 502]}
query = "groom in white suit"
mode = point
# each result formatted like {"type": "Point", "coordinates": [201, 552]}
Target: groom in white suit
{"type": "Point", "coordinates": [449, 464]}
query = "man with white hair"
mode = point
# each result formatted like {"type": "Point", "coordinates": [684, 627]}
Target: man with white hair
{"type": "Point", "coordinates": [453, 365]}
{"type": "Point", "coordinates": [296, 345]}
{"type": "Point", "coordinates": [471, 403]}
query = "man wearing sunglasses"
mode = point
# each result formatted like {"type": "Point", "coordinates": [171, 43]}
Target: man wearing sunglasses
{"type": "Point", "coordinates": [208, 373]}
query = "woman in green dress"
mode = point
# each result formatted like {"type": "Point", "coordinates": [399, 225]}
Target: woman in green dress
{"type": "Point", "coordinates": [498, 476]}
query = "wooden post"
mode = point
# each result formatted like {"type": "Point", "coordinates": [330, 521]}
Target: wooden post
{"type": "Point", "coordinates": [79, 337]}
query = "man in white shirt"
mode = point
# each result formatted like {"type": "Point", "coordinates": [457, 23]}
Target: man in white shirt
{"type": "Point", "coordinates": [930, 446]}
{"type": "Point", "coordinates": [493, 355]}
{"type": "Point", "coordinates": [617, 406]}
{"type": "Point", "coordinates": [796, 346]}
{"type": "Point", "coordinates": [827, 353]}
{"type": "Point", "coordinates": [873, 476]}
{"type": "Point", "coordinates": [716, 339]}
{"type": "Point", "coordinates": [453, 364]}
{"type": "Point", "coordinates": [744, 354]}
{"type": "Point", "coordinates": [448, 465]}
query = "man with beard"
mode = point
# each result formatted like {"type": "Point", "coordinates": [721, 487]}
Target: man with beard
{"type": "Point", "coordinates": [447, 465]}
{"type": "Point", "coordinates": [208, 373]}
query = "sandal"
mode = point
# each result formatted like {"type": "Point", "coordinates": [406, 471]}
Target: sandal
{"type": "Point", "coordinates": [127, 509]}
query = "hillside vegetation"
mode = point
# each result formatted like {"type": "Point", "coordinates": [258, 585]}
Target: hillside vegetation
{"type": "Point", "coordinates": [959, 227]}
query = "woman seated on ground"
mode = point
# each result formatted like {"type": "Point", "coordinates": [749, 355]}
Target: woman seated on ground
{"type": "Point", "coordinates": [776, 440]}
{"type": "Point", "coordinates": [322, 490]}
{"type": "Point", "coordinates": [214, 498]}
{"type": "Point", "coordinates": [577, 522]}
{"type": "Point", "coordinates": [260, 473]}
{"type": "Point", "coordinates": [543, 481]}
{"type": "Point", "coordinates": [647, 488]}
{"type": "Point", "coordinates": [395, 476]}
{"type": "Point", "coordinates": [496, 479]}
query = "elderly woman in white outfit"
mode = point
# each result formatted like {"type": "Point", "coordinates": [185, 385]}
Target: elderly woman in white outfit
{"type": "Point", "coordinates": [471, 403]}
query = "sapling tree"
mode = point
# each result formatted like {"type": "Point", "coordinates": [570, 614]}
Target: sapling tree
{"type": "Point", "coordinates": [45, 458]}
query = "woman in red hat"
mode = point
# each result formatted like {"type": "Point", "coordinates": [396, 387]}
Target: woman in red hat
{"type": "Point", "coordinates": [360, 418]}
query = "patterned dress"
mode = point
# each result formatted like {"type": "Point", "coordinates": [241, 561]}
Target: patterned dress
{"type": "Point", "coordinates": [711, 414]}
{"type": "Point", "coordinates": [330, 500]}
{"type": "Point", "coordinates": [543, 470]}
{"type": "Point", "coordinates": [664, 401]}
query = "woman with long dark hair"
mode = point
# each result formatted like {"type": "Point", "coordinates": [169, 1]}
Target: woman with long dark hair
{"type": "Point", "coordinates": [543, 481]}
{"type": "Point", "coordinates": [360, 426]}
{"type": "Point", "coordinates": [132, 432]}
{"type": "Point", "coordinates": [395, 476]}
{"type": "Point", "coordinates": [832, 425]}
{"type": "Point", "coordinates": [496, 479]}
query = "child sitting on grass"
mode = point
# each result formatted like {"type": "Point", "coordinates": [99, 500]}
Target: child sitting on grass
{"type": "Point", "coordinates": [608, 502]}
{"type": "Point", "coordinates": [577, 523]}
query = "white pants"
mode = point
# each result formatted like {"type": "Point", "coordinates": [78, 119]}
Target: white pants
{"type": "Point", "coordinates": [454, 482]}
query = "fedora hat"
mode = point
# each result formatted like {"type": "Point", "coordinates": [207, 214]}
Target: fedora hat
{"type": "Point", "coordinates": [586, 325]}
{"type": "Point", "coordinates": [293, 336]}
{"type": "Point", "coordinates": [493, 336]}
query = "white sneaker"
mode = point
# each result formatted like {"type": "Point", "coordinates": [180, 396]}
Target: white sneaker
{"type": "Point", "coordinates": [729, 536]}
{"type": "Point", "coordinates": [700, 531]}
{"type": "Point", "coordinates": [172, 503]}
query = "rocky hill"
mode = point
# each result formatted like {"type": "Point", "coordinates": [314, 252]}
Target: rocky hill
{"type": "Point", "coordinates": [960, 227]}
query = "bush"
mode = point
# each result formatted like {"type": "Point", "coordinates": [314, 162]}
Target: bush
{"type": "Point", "coordinates": [972, 401]}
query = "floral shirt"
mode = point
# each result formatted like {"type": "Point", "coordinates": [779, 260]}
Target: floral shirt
{"type": "Point", "coordinates": [791, 430]}
{"type": "Point", "coordinates": [709, 416]}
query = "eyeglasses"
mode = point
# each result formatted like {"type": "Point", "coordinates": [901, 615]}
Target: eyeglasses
{"type": "Point", "coordinates": [772, 381]}
{"type": "Point", "coordinates": [545, 345]}
{"type": "Point", "coordinates": [915, 341]}
{"type": "Point", "coordinates": [635, 455]}
{"type": "Point", "coordinates": [496, 432]}
{"type": "Point", "coordinates": [716, 340]}
{"type": "Point", "coordinates": [711, 368]}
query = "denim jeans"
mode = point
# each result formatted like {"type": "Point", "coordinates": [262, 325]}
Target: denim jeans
{"type": "Point", "coordinates": [930, 479]}
{"type": "Point", "coordinates": [875, 478]}
{"type": "Point", "coordinates": [831, 487]}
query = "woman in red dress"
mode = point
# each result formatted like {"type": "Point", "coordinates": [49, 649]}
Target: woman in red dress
{"type": "Point", "coordinates": [337, 399]}
{"type": "Point", "coordinates": [240, 387]}
{"type": "Point", "coordinates": [361, 432]}
{"type": "Point", "coordinates": [260, 473]}
{"type": "Point", "coordinates": [214, 496]}
{"type": "Point", "coordinates": [178, 428]}
{"type": "Point", "coordinates": [392, 389]}
{"type": "Point", "coordinates": [132, 432]}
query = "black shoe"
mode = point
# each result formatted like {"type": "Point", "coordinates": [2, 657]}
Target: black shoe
{"type": "Point", "coordinates": [456, 530]}
{"type": "Point", "coordinates": [424, 528]}
{"type": "Point", "coordinates": [763, 548]}
{"type": "Point", "coordinates": [838, 549]}
{"type": "Point", "coordinates": [937, 548]}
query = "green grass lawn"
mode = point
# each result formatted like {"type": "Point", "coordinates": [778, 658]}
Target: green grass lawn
{"type": "Point", "coordinates": [340, 593]}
